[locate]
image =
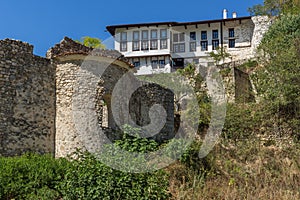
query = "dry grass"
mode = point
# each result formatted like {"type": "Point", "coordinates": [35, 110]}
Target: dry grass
{"type": "Point", "coordinates": [242, 170]}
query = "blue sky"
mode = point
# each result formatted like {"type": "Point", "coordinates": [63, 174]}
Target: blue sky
{"type": "Point", "coordinates": [45, 23]}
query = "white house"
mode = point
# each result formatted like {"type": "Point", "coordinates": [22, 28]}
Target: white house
{"type": "Point", "coordinates": [166, 46]}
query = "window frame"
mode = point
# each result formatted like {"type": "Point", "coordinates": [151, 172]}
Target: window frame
{"type": "Point", "coordinates": [160, 33]}
{"type": "Point", "coordinates": [205, 46]}
{"type": "Point", "coordinates": [214, 32]}
{"type": "Point", "coordinates": [231, 33]}
{"type": "Point", "coordinates": [123, 42]}
{"type": "Point", "coordinates": [215, 47]}
{"type": "Point", "coordinates": [202, 33]}
{"type": "Point", "coordinates": [162, 41]}
{"type": "Point", "coordinates": [161, 63]}
{"type": "Point", "coordinates": [195, 47]}
{"type": "Point", "coordinates": [154, 62]}
{"type": "Point", "coordinates": [194, 37]}
{"type": "Point", "coordinates": [231, 43]}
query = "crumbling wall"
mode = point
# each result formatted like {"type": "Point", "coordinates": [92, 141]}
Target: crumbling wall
{"type": "Point", "coordinates": [86, 81]}
{"type": "Point", "coordinates": [147, 96]}
{"type": "Point", "coordinates": [27, 100]}
{"type": "Point", "coordinates": [243, 87]}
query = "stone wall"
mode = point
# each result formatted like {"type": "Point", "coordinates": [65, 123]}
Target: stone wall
{"type": "Point", "coordinates": [40, 97]}
{"type": "Point", "coordinates": [79, 89]}
{"type": "Point", "coordinates": [237, 84]}
{"type": "Point", "coordinates": [243, 87]}
{"type": "Point", "coordinates": [27, 100]}
{"type": "Point", "coordinates": [248, 37]}
{"type": "Point", "coordinates": [147, 96]}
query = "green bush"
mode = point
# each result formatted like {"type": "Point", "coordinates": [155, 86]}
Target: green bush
{"type": "Point", "coordinates": [31, 176]}
{"type": "Point", "coordinates": [242, 121]}
{"type": "Point", "coordinates": [88, 178]}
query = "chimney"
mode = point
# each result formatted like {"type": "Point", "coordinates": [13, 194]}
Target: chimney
{"type": "Point", "coordinates": [234, 15]}
{"type": "Point", "coordinates": [224, 14]}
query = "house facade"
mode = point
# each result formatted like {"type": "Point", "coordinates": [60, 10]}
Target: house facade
{"type": "Point", "coordinates": [166, 46]}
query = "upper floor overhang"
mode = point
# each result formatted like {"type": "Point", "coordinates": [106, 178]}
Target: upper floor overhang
{"type": "Point", "coordinates": [112, 29]}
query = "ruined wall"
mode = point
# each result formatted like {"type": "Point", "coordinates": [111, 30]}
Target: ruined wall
{"type": "Point", "coordinates": [72, 81]}
{"type": "Point", "coordinates": [80, 89]}
{"type": "Point", "coordinates": [27, 100]}
{"type": "Point", "coordinates": [243, 87]}
{"type": "Point", "coordinates": [237, 84]}
{"type": "Point", "coordinates": [147, 96]}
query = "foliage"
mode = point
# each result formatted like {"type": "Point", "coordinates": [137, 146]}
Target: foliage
{"type": "Point", "coordinates": [242, 121]}
{"type": "Point", "coordinates": [90, 179]}
{"type": "Point", "coordinates": [94, 180]}
{"type": "Point", "coordinates": [92, 42]}
{"type": "Point", "coordinates": [248, 66]}
{"type": "Point", "coordinates": [219, 55]}
{"type": "Point", "coordinates": [278, 81]}
{"type": "Point", "coordinates": [135, 143]}
{"type": "Point", "coordinates": [196, 80]}
{"type": "Point", "coordinates": [31, 176]}
{"type": "Point", "coordinates": [275, 7]}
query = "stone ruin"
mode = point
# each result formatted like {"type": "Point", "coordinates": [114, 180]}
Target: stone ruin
{"type": "Point", "coordinates": [39, 96]}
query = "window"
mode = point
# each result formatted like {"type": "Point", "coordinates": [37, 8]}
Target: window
{"type": "Point", "coordinates": [192, 46]}
{"type": "Point", "coordinates": [145, 40]}
{"type": "Point", "coordinates": [153, 34]}
{"type": "Point", "coordinates": [145, 35]}
{"type": "Point", "coordinates": [178, 37]}
{"type": "Point", "coordinates": [161, 63]}
{"type": "Point", "coordinates": [178, 62]}
{"type": "Point", "coordinates": [136, 41]}
{"type": "Point", "coordinates": [153, 45]}
{"type": "Point", "coordinates": [179, 48]}
{"type": "Point", "coordinates": [123, 43]}
{"type": "Point", "coordinates": [154, 64]}
{"type": "Point", "coordinates": [136, 64]}
{"type": "Point", "coordinates": [215, 34]}
{"type": "Point", "coordinates": [203, 35]}
{"type": "Point", "coordinates": [163, 34]}
{"type": "Point", "coordinates": [145, 45]}
{"type": "Point", "coordinates": [192, 36]}
{"type": "Point", "coordinates": [163, 39]}
{"type": "Point", "coordinates": [231, 43]}
{"type": "Point", "coordinates": [204, 45]}
{"type": "Point", "coordinates": [136, 36]}
{"type": "Point", "coordinates": [163, 44]}
{"type": "Point", "coordinates": [215, 44]}
{"type": "Point", "coordinates": [123, 36]}
{"type": "Point", "coordinates": [135, 45]}
{"type": "Point", "coordinates": [179, 45]}
{"type": "Point", "coordinates": [231, 32]}
{"type": "Point", "coordinates": [153, 42]}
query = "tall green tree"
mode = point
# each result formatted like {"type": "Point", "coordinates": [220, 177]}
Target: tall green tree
{"type": "Point", "coordinates": [91, 42]}
{"type": "Point", "coordinates": [278, 78]}
{"type": "Point", "coordinates": [275, 7]}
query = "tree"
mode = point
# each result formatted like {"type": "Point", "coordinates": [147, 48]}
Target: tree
{"type": "Point", "coordinates": [275, 7]}
{"type": "Point", "coordinates": [220, 55]}
{"type": "Point", "coordinates": [278, 80]}
{"type": "Point", "coordinates": [92, 42]}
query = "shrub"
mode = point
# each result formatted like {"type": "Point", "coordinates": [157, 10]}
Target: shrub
{"type": "Point", "coordinates": [88, 178]}
{"type": "Point", "coordinates": [31, 176]}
